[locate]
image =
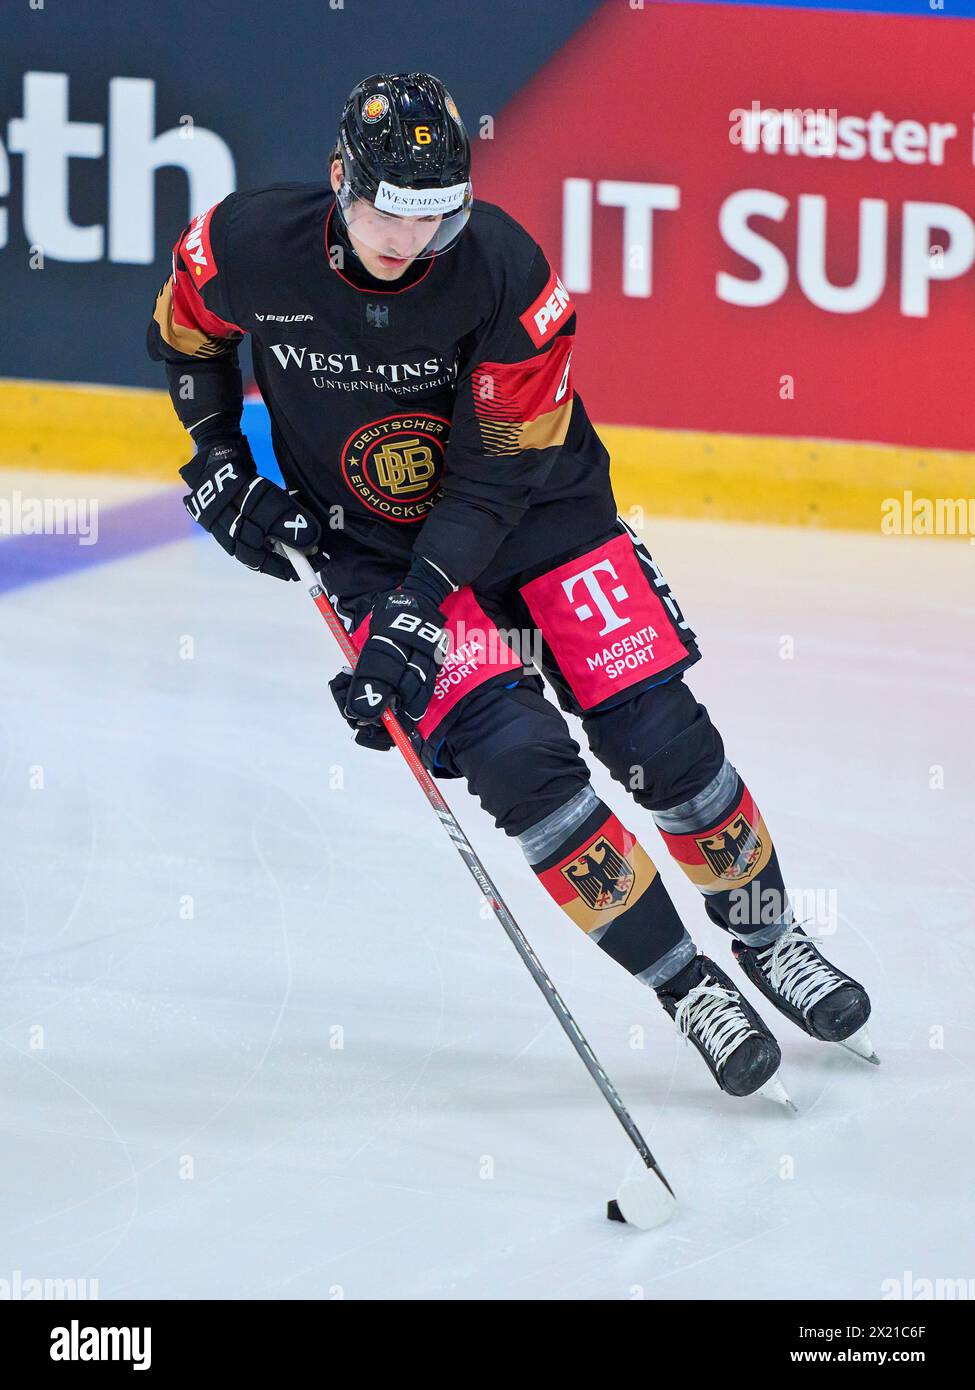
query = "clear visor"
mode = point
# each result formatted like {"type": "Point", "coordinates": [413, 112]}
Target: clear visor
{"type": "Point", "coordinates": [407, 223]}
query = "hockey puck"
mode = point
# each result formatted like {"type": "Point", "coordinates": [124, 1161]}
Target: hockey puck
{"type": "Point", "coordinates": [643, 1200]}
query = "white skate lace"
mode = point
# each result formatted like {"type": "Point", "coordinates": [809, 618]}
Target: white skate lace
{"type": "Point", "coordinates": [797, 971]}
{"type": "Point", "coordinates": [716, 1017]}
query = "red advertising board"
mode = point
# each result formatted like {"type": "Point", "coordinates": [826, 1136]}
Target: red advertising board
{"type": "Point", "coordinates": [764, 217]}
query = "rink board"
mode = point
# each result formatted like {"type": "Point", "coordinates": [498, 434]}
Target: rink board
{"type": "Point", "coordinates": [133, 433]}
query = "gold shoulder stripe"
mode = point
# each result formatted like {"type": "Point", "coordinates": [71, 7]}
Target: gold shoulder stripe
{"type": "Point", "coordinates": [190, 341]}
{"type": "Point", "coordinates": [507, 437]}
{"type": "Point", "coordinates": [548, 430]}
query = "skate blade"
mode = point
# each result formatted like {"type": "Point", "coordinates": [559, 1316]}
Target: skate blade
{"type": "Point", "coordinates": [860, 1045]}
{"type": "Point", "coordinates": [774, 1090]}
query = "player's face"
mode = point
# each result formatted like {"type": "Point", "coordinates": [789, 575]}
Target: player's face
{"type": "Point", "coordinates": [386, 245]}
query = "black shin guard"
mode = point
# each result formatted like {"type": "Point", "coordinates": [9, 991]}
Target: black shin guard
{"type": "Point", "coordinates": [603, 880]}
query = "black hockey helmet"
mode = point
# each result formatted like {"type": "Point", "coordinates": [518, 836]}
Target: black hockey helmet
{"type": "Point", "coordinates": [405, 154]}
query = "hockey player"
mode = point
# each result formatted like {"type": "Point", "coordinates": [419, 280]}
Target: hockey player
{"type": "Point", "coordinates": [414, 349]}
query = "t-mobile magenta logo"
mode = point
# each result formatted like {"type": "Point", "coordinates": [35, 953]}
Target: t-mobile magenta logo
{"type": "Point", "coordinates": [607, 612]}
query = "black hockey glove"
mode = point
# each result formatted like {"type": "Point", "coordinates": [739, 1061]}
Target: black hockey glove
{"type": "Point", "coordinates": [399, 661]}
{"type": "Point", "coordinates": [245, 512]}
{"type": "Point", "coordinates": [366, 735]}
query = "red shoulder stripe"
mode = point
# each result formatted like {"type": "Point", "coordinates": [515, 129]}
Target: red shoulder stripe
{"type": "Point", "coordinates": [194, 264]}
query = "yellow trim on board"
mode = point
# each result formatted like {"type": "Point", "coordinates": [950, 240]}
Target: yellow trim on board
{"type": "Point", "coordinates": [798, 482]}
{"type": "Point", "coordinates": [91, 429]}
{"type": "Point", "coordinates": [726, 477]}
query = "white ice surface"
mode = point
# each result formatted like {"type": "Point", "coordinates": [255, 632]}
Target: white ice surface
{"type": "Point", "coordinates": [177, 1120]}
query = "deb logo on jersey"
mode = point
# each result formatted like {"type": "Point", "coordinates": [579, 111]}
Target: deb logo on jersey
{"type": "Point", "coordinates": [733, 852]}
{"type": "Point", "coordinates": [394, 465]}
{"type": "Point", "coordinates": [601, 876]}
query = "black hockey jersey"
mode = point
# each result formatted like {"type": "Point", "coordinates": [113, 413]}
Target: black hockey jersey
{"type": "Point", "coordinates": [435, 412]}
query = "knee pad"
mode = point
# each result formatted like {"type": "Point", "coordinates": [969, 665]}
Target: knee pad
{"type": "Point", "coordinates": [661, 745]}
{"type": "Point", "coordinates": [516, 754]}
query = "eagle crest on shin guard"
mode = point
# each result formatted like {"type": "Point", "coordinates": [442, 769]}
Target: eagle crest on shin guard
{"type": "Point", "coordinates": [600, 875]}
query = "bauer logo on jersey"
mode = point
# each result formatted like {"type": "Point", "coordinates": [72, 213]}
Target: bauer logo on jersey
{"type": "Point", "coordinates": [394, 465]}
{"type": "Point", "coordinates": [553, 308]}
{"type": "Point", "coordinates": [601, 876]}
{"type": "Point", "coordinates": [733, 852]}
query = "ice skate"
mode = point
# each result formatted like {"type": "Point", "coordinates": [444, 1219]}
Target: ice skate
{"type": "Point", "coordinates": [809, 989]}
{"type": "Point", "coordinates": [741, 1053]}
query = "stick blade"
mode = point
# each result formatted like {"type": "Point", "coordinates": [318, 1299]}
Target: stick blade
{"type": "Point", "coordinates": [642, 1200]}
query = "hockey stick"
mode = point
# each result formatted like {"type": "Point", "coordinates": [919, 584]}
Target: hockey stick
{"type": "Point", "coordinates": [645, 1197]}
